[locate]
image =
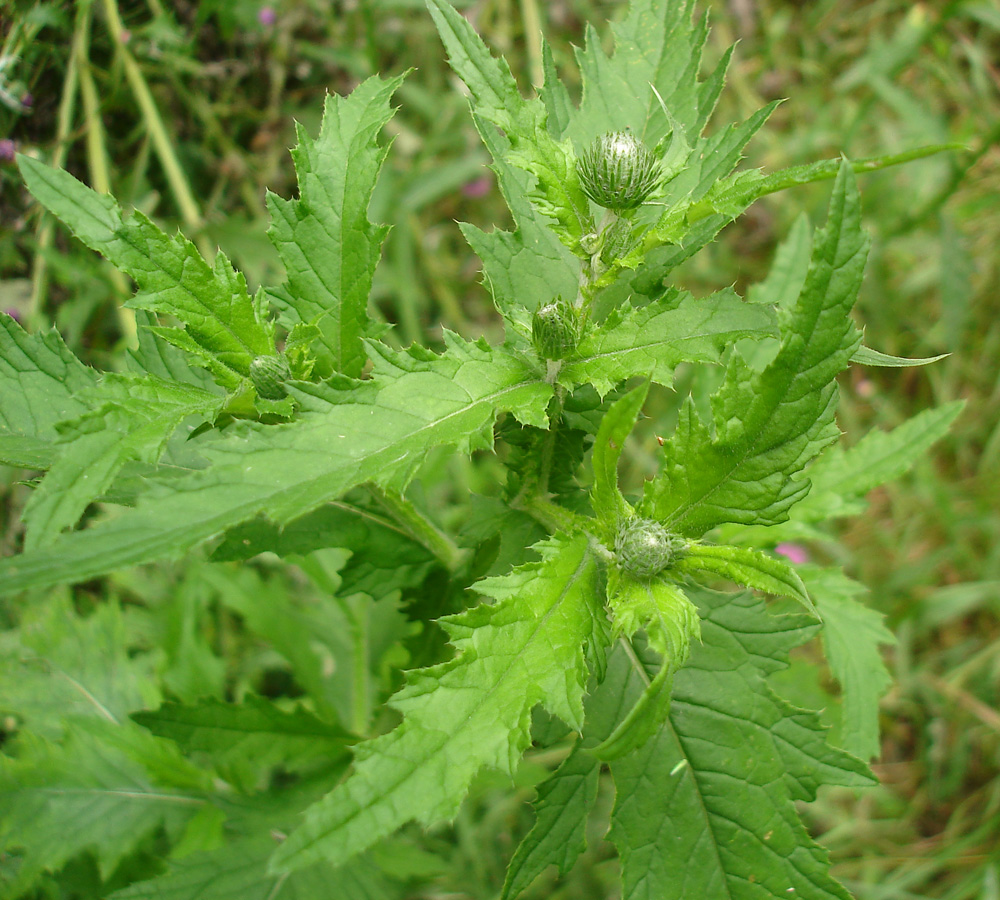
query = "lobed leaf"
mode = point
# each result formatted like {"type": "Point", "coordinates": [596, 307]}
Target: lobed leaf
{"type": "Point", "coordinates": [769, 425]}
{"type": "Point", "coordinates": [851, 636]}
{"type": "Point", "coordinates": [40, 386]}
{"type": "Point", "coordinates": [60, 800]}
{"type": "Point", "coordinates": [496, 98]}
{"type": "Point", "coordinates": [654, 339]}
{"type": "Point", "coordinates": [747, 568]}
{"type": "Point", "coordinates": [469, 713]}
{"type": "Point", "coordinates": [324, 238]}
{"type": "Point", "coordinates": [212, 302]}
{"type": "Point", "coordinates": [375, 431]}
{"type": "Point", "coordinates": [706, 808]}
{"type": "Point", "coordinates": [129, 418]}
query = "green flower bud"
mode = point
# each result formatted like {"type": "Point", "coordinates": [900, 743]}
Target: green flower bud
{"type": "Point", "coordinates": [618, 172]}
{"type": "Point", "coordinates": [269, 374]}
{"type": "Point", "coordinates": [555, 330]}
{"type": "Point", "coordinates": [645, 548]}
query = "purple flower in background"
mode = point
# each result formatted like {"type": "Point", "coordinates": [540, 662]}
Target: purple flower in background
{"type": "Point", "coordinates": [7, 150]}
{"type": "Point", "coordinates": [125, 36]}
{"type": "Point", "coordinates": [27, 100]}
{"type": "Point", "coordinates": [267, 16]}
{"type": "Point", "coordinates": [13, 313]}
{"type": "Point", "coordinates": [478, 187]}
{"type": "Point", "coordinates": [794, 552]}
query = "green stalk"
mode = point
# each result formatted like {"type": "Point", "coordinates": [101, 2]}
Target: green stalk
{"type": "Point", "coordinates": [420, 528]}
{"type": "Point", "coordinates": [162, 142]}
{"type": "Point", "coordinates": [64, 123]}
{"type": "Point", "coordinates": [360, 701]}
{"type": "Point", "coordinates": [100, 176]}
{"type": "Point", "coordinates": [533, 40]}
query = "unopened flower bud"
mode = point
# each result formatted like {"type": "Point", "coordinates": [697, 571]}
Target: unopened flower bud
{"type": "Point", "coordinates": [555, 330]}
{"type": "Point", "coordinates": [269, 374]}
{"type": "Point", "coordinates": [618, 172]}
{"type": "Point", "coordinates": [644, 548]}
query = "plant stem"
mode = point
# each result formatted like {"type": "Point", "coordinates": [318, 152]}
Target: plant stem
{"type": "Point", "coordinates": [360, 701]}
{"type": "Point", "coordinates": [64, 122]}
{"type": "Point", "coordinates": [100, 176]}
{"type": "Point", "coordinates": [533, 39]}
{"type": "Point", "coordinates": [420, 528]}
{"type": "Point", "coordinates": [162, 142]}
{"type": "Point", "coordinates": [549, 445]}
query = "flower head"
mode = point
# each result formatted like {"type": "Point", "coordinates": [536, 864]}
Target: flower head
{"type": "Point", "coordinates": [618, 171]}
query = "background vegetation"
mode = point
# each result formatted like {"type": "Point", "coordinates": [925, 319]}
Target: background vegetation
{"type": "Point", "coordinates": [186, 111]}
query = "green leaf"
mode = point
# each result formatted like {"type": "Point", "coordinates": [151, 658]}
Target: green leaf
{"type": "Point", "coordinates": [657, 46]}
{"type": "Point", "coordinates": [130, 418]}
{"type": "Point", "coordinates": [69, 668]}
{"type": "Point", "coordinates": [558, 836]}
{"type": "Point", "coordinates": [83, 795]}
{"type": "Point", "coordinates": [745, 567]}
{"type": "Point", "coordinates": [238, 871]}
{"type": "Point", "coordinates": [851, 636]}
{"type": "Point", "coordinates": [733, 196]}
{"type": "Point", "coordinates": [617, 424]}
{"type": "Point", "coordinates": [842, 477]}
{"type": "Point", "coordinates": [529, 267]}
{"type": "Point", "coordinates": [707, 807]}
{"type": "Point", "coordinates": [255, 729]}
{"type": "Point", "coordinates": [469, 713]}
{"type": "Point", "coordinates": [566, 797]}
{"type": "Point", "coordinates": [557, 193]}
{"type": "Point", "coordinates": [324, 238]}
{"type": "Point", "coordinates": [376, 431]}
{"type": "Point", "coordinates": [384, 558]}
{"type": "Point", "coordinates": [339, 666]}
{"type": "Point", "coordinates": [654, 339]}
{"type": "Point", "coordinates": [670, 621]}
{"type": "Point", "coordinates": [769, 425]}
{"type": "Point", "coordinates": [211, 302]}
{"type": "Point", "coordinates": [40, 385]}
{"type": "Point", "coordinates": [865, 356]}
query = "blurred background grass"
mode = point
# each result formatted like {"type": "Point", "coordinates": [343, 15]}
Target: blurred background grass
{"type": "Point", "coordinates": [186, 110]}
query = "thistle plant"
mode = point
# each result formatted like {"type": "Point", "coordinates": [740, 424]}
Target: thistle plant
{"type": "Point", "coordinates": [632, 631]}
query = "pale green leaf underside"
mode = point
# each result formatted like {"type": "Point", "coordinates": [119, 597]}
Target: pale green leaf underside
{"type": "Point", "coordinates": [472, 712]}
{"type": "Point", "coordinates": [324, 238]}
{"type": "Point", "coordinates": [865, 356]}
{"type": "Point", "coordinates": [747, 568]}
{"type": "Point", "coordinates": [851, 636]}
{"type": "Point", "coordinates": [373, 432]}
